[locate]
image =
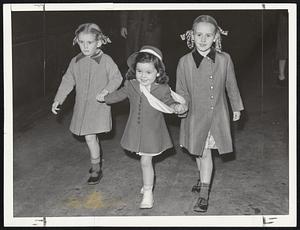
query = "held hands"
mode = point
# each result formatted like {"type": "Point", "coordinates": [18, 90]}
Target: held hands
{"type": "Point", "coordinates": [100, 96]}
{"type": "Point", "coordinates": [124, 32]}
{"type": "Point", "coordinates": [55, 107]}
{"type": "Point", "coordinates": [236, 115]}
{"type": "Point", "coordinates": [180, 108]}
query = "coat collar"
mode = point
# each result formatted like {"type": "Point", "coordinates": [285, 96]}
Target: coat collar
{"type": "Point", "coordinates": [198, 57]}
{"type": "Point", "coordinates": [96, 57]}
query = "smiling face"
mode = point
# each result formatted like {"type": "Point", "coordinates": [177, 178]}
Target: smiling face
{"type": "Point", "coordinates": [88, 43]}
{"type": "Point", "coordinates": [145, 73]}
{"type": "Point", "coordinates": [204, 35]}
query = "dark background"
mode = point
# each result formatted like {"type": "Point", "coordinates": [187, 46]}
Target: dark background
{"type": "Point", "coordinates": [42, 44]}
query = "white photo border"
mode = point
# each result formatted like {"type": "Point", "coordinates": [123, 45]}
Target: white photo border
{"type": "Point", "coordinates": [187, 221]}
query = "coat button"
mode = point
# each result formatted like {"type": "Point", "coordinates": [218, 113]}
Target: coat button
{"type": "Point", "coordinates": [211, 97]}
{"type": "Point", "coordinates": [211, 87]}
{"type": "Point", "coordinates": [211, 107]}
{"type": "Point", "coordinates": [210, 76]}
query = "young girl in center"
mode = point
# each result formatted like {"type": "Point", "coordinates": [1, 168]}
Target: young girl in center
{"type": "Point", "coordinates": [203, 76]}
{"type": "Point", "coordinates": [92, 73]}
{"type": "Point", "coordinates": [149, 96]}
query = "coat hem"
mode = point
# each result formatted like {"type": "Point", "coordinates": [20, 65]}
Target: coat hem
{"type": "Point", "coordinates": [195, 154]}
{"type": "Point", "coordinates": [136, 151]}
{"type": "Point", "coordinates": [90, 133]}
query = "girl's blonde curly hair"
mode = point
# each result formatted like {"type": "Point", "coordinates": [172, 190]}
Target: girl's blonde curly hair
{"type": "Point", "coordinates": [93, 29]}
{"type": "Point", "coordinates": [209, 19]}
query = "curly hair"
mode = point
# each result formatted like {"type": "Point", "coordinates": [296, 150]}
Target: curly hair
{"type": "Point", "coordinates": [143, 57]}
{"type": "Point", "coordinates": [93, 29]}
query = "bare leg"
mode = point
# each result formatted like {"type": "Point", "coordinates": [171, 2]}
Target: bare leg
{"type": "Point", "coordinates": [93, 144]}
{"type": "Point", "coordinates": [148, 178]}
{"type": "Point", "coordinates": [147, 170]}
{"type": "Point", "coordinates": [282, 63]}
{"type": "Point", "coordinates": [206, 166]}
{"type": "Point", "coordinates": [198, 165]}
{"type": "Point", "coordinates": [197, 187]}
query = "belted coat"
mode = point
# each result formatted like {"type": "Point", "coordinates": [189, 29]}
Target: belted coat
{"type": "Point", "coordinates": [89, 76]}
{"type": "Point", "coordinates": [146, 130]}
{"type": "Point", "coordinates": [203, 82]}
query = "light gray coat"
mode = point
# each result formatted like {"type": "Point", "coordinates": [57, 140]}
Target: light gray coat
{"type": "Point", "coordinates": [204, 89]}
{"type": "Point", "coordinates": [89, 76]}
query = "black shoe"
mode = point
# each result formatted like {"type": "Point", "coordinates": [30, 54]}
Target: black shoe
{"type": "Point", "coordinates": [201, 205]}
{"type": "Point", "coordinates": [197, 186]}
{"type": "Point", "coordinates": [95, 179]}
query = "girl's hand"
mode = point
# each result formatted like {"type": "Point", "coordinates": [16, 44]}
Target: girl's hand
{"type": "Point", "coordinates": [182, 115]}
{"type": "Point", "coordinates": [124, 32]}
{"type": "Point", "coordinates": [100, 96]}
{"type": "Point", "coordinates": [180, 108]}
{"type": "Point", "coordinates": [236, 115]}
{"type": "Point", "coordinates": [55, 107]}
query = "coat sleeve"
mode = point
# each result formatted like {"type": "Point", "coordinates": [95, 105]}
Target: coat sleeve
{"type": "Point", "coordinates": [166, 96]}
{"type": "Point", "coordinates": [114, 76]}
{"type": "Point", "coordinates": [181, 84]}
{"type": "Point", "coordinates": [232, 88]}
{"type": "Point", "coordinates": [123, 18]}
{"type": "Point", "coordinates": [67, 84]}
{"type": "Point", "coordinates": [118, 95]}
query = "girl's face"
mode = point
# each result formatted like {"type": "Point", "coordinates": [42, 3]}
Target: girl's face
{"type": "Point", "coordinates": [145, 73]}
{"type": "Point", "coordinates": [204, 35]}
{"type": "Point", "coordinates": [88, 43]}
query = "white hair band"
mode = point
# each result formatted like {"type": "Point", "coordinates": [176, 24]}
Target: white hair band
{"type": "Point", "coordinates": [151, 52]}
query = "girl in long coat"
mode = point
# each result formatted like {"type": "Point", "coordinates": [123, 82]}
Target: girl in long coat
{"type": "Point", "coordinates": [203, 76]}
{"type": "Point", "coordinates": [92, 73]}
{"type": "Point", "coordinates": [149, 95]}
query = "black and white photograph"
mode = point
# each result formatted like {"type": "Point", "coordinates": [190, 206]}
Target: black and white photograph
{"type": "Point", "coordinates": [162, 114]}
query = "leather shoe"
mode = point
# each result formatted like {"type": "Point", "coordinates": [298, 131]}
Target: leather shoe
{"type": "Point", "coordinates": [201, 205]}
{"type": "Point", "coordinates": [95, 179]}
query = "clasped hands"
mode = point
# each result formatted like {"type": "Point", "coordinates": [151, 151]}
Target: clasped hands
{"type": "Point", "coordinates": [180, 108]}
{"type": "Point", "coordinates": [100, 96]}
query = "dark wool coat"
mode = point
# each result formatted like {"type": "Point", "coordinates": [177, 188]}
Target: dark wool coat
{"type": "Point", "coordinates": [143, 28]}
{"type": "Point", "coordinates": [146, 130]}
{"type": "Point", "coordinates": [89, 75]}
{"type": "Point", "coordinates": [204, 90]}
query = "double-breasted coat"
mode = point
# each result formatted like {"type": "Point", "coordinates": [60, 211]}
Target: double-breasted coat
{"type": "Point", "coordinates": [146, 130]}
{"type": "Point", "coordinates": [89, 76]}
{"type": "Point", "coordinates": [203, 82]}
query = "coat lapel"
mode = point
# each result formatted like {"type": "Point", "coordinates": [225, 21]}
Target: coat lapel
{"type": "Point", "coordinates": [154, 86]}
{"type": "Point", "coordinates": [136, 86]}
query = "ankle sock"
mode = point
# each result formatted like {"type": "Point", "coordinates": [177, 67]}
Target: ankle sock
{"type": "Point", "coordinates": [95, 168]}
{"type": "Point", "coordinates": [147, 187]}
{"type": "Point", "coordinates": [204, 190]}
